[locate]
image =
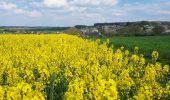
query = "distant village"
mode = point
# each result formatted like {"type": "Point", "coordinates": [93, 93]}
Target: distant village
{"type": "Point", "coordinates": [126, 28]}
{"type": "Point", "coordinates": [99, 29]}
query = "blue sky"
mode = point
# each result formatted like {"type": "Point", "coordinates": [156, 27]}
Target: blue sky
{"type": "Point", "coordinates": [75, 12]}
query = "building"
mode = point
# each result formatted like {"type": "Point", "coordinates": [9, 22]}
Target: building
{"type": "Point", "coordinates": [90, 31]}
{"type": "Point", "coordinates": [148, 29]}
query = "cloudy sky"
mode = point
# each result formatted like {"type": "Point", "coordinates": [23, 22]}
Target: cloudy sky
{"type": "Point", "coordinates": [73, 12]}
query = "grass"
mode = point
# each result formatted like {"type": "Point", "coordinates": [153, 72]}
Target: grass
{"type": "Point", "coordinates": [1, 29]}
{"type": "Point", "coordinates": [146, 44]}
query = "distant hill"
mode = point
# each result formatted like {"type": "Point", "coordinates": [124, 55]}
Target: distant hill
{"type": "Point", "coordinates": [73, 31]}
{"type": "Point", "coordinates": [28, 29]}
{"type": "Point", "coordinates": [48, 29]}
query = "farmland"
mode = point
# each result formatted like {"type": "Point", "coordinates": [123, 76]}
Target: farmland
{"type": "Point", "coordinates": [39, 67]}
{"type": "Point", "coordinates": [146, 45]}
{"type": "Point", "coordinates": [30, 30]}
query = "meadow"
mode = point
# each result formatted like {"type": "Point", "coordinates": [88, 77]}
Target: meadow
{"type": "Point", "coordinates": [67, 67]}
{"type": "Point", "coordinates": [146, 45]}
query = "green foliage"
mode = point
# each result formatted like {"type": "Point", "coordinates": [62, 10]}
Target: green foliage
{"type": "Point", "coordinates": [147, 44]}
{"type": "Point", "coordinates": [157, 30]}
{"type": "Point", "coordinates": [131, 30]}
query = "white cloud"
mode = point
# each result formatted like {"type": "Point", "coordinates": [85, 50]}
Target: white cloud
{"type": "Point", "coordinates": [36, 4]}
{"type": "Point", "coordinates": [118, 14]}
{"type": "Point", "coordinates": [71, 12]}
{"type": "Point", "coordinates": [7, 6]}
{"type": "Point", "coordinates": [19, 11]}
{"type": "Point", "coordinates": [109, 2]}
{"type": "Point", "coordinates": [55, 3]}
{"type": "Point", "coordinates": [13, 8]}
{"type": "Point", "coordinates": [85, 3]}
{"type": "Point", "coordinates": [81, 3]}
{"type": "Point", "coordinates": [166, 12]}
{"type": "Point", "coordinates": [34, 13]}
{"type": "Point", "coordinates": [166, 3]}
{"type": "Point", "coordinates": [80, 8]}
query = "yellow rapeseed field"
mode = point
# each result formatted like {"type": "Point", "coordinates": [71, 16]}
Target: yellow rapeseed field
{"type": "Point", "coordinates": [52, 67]}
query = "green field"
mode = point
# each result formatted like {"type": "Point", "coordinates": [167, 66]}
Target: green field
{"type": "Point", "coordinates": [1, 29]}
{"type": "Point", "coordinates": [146, 44]}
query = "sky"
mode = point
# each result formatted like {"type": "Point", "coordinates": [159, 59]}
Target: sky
{"type": "Point", "coordinates": [80, 12]}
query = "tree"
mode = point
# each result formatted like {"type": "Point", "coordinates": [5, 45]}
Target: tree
{"type": "Point", "coordinates": [144, 23]}
{"type": "Point", "coordinates": [157, 30]}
